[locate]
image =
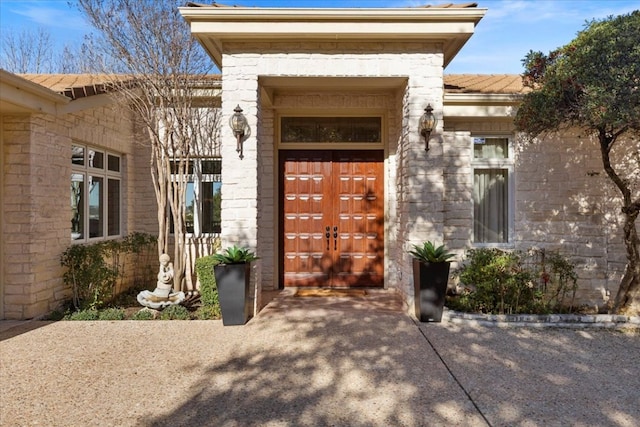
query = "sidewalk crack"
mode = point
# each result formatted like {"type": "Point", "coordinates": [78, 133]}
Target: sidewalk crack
{"type": "Point", "coordinates": [475, 405]}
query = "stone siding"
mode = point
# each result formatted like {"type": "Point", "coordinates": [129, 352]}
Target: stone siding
{"type": "Point", "coordinates": [247, 222]}
{"type": "Point", "coordinates": [36, 227]}
{"type": "Point", "coordinates": [564, 201]}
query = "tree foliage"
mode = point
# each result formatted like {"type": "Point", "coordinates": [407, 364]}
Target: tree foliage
{"type": "Point", "coordinates": [594, 83]}
{"type": "Point", "coordinates": [159, 72]}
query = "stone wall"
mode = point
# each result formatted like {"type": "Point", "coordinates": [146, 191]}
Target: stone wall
{"type": "Point", "coordinates": [563, 200]}
{"type": "Point", "coordinates": [245, 63]}
{"type": "Point", "coordinates": [36, 225]}
{"type": "Point", "coordinates": [566, 202]}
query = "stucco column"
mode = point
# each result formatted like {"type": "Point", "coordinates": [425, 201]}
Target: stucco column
{"type": "Point", "coordinates": [240, 175]}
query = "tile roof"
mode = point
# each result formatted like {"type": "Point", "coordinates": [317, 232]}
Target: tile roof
{"type": "Point", "coordinates": [71, 85]}
{"type": "Point", "coordinates": [449, 5]}
{"type": "Point", "coordinates": [484, 83]}
{"type": "Point", "coordinates": [82, 85]}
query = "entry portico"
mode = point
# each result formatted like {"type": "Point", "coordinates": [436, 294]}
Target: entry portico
{"type": "Point", "coordinates": [295, 69]}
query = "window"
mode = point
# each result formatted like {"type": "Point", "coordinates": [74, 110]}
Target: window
{"type": "Point", "coordinates": [492, 186]}
{"type": "Point", "coordinates": [203, 196]}
{"type": "Point", "coordinates": [95, 193]}
{"type": "Point", "coordinates": [331, 129]}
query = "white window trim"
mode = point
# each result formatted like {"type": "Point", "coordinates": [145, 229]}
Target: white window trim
{"type": "Point", "coordinates": [509, 165]}
{"type": "Point", "coordinates": [106, 174]}
{"type": "Point", "coordinates": [197, 177]}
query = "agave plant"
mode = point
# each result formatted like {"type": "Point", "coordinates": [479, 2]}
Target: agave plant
{"type": "Point", "coordinates": [428, 252]}
{"type": "Point", "coordinates": [235, 255]}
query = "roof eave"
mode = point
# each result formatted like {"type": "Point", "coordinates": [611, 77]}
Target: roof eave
{"type": "Point", "coordinates": [213, 26]}
{"type": "Point", "coordinates": [22, 96]}
{"type": "Point", "coordinates": [494, 106]}
{"type": "Point", "coordinates": [331, 14]}
{"type": "Point", "coordinates": [482, 98]}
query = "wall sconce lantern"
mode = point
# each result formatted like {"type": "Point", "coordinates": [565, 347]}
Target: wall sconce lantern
{"type": "Point", "coordinates": [240, 127]}
{"type": "Point", "coordinates": [428, 123]}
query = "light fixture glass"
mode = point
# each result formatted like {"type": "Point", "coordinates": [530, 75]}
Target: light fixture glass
{"type": "Point", "coordinates": [239, 125]}
{"type": "Point", "coordinates": [428, 123]}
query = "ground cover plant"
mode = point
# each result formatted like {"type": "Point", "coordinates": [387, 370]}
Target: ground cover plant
{"type": "Point", "coordinates": [501, 282]}
{"type": "Point", "coordinates": [93, 289]}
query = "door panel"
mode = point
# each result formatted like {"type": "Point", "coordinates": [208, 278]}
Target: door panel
{"type": "Point", "coordinates": [305, 192]}
{"type": "Point", "coordinates": [341, 190]}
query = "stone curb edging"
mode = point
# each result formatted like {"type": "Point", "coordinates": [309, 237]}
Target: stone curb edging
{"type": "Point", "coordinates": [611, 321]}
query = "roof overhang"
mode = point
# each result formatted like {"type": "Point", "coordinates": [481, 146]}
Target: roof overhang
{"type": "Point", "coordinates": [19, 96]}
{"type": "Point", "coordinates": [487, 105]}
{"type": "Point", "coordinates": [214, 26]}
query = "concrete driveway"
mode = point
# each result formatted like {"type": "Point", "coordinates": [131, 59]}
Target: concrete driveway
{"type": "Point", "coordinates": [316, 362]}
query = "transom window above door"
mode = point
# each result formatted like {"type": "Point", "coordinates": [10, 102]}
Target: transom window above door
{"type": "Point", "coordinates": [331, 129]}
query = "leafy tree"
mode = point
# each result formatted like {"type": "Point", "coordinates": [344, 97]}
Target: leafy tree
{"type": "Point", "coordinates": [159, 73]}
{"type": "Point", "coordinates": [594, 83]}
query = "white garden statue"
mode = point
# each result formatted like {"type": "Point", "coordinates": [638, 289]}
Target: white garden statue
{"type": "Point", "coordinates": [162, 296]}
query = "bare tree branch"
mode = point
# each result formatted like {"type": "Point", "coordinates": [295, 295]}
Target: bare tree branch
{"type": "Point", "coordinates": [27, 51]}
{"type": "Point", "coordinates": [148, 44]}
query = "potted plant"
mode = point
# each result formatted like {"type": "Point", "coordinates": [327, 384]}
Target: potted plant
{"type": "Point", "coordinates": [232, 273]}
{"type": "Point", "coordinates": [430, 278]}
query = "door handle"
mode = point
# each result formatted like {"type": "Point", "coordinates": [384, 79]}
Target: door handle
{"type": "Point", "coordinates": [335, 238]}
{"type": "Point", "coordinates": [328, 236]}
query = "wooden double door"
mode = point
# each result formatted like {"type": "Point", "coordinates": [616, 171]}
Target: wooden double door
{"type": "Point", "coordinates": [332, 218]}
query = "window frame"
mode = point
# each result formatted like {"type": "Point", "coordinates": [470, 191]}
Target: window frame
{"type": "Point", "coordinates": [380, 114]}
{"type": "Point", "coordinates": [506, 164]}
{"type": "Point", "coordinates": [107, 176]}
{"type": "Point", "coordinates": [197, 176]}
{"type": "Point", "coordinates": [330, 123]}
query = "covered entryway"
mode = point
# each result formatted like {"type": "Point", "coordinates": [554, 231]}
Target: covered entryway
{"type": "Point", "coordinates": [332, 218]}
{"type": "Point", "coordinates": [291, 184]}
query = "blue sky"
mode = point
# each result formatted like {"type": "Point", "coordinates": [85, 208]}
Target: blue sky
{"type": "Point", "coordinates": [508, 31]}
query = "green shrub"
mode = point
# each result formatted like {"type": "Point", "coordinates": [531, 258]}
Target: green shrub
{"type": "Point", "coordinates": [501, 282]}
{"type": "Point", "coordinates": [208, 289]}
{"type": "Point", "coordinates": [89, 314]}
{"type": "Point", "coordinates": [91, 279]}
{"type": "Point", "coordinates": [62, 313]}
{"type": "Point", "coordinates": [93, 270]}
{"type": "Point", "coordinates": [56, 315]}
{"type": "Point", "coordinates": [558, 280]}
{"type": "Point", "coordinates": [208, 312]}
{"type": "Point", "coordinates": [143, 315]}
{"type": "Point", "coordinates": [111, 314]}
{"type": "Point", "coordinates": [175, 312]}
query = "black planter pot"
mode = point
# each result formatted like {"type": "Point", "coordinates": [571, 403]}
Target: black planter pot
{"type": "Point", "coordinates": [232, 281]}
{"type": "Point", "coordinates": [430, 287]}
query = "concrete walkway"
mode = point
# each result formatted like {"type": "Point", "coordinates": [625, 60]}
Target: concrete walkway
{"type": "Point", "coordinates": [316, 362]}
